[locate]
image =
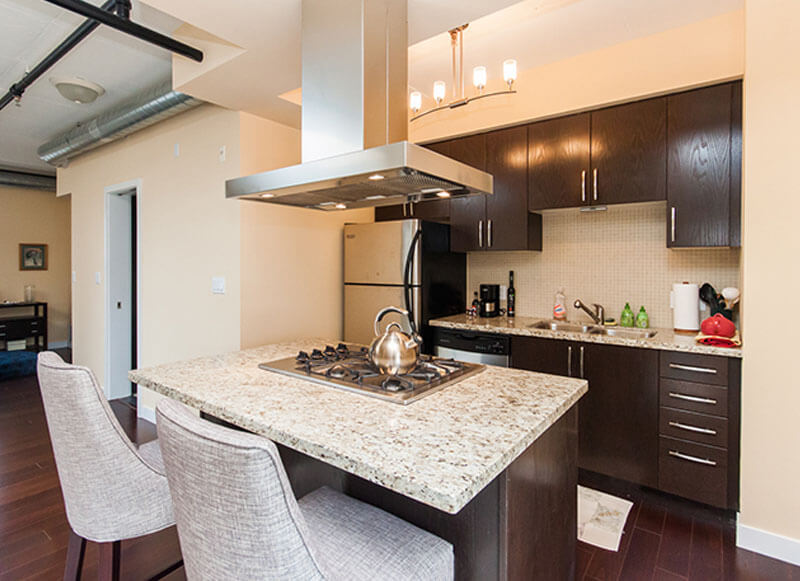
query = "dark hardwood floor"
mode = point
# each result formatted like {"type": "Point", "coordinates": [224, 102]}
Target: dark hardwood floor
{"type": "Point", "coordinates": [665, 539]}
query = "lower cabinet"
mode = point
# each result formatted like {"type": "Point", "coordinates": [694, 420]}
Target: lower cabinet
{"type": "Point", "coordinates": [618, 416]}
{"type": "Point", "coordinates": [662, 419]}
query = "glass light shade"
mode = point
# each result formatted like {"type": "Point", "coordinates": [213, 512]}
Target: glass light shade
{"type": "Point", "coordinates": [439, 89]}
{"type": "Point", "coordinates": [415, 100]}
{"type": "Point", "coordinates": [510, 71]}
{"type": "Point", "coordinates": [479, 77]}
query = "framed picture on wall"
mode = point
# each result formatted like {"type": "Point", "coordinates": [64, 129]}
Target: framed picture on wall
{"type": "Point", "coordinates": [33, 256]}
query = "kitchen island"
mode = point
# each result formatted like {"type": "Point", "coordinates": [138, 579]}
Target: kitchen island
{"type": "Point", "coordinates": [489, 463]}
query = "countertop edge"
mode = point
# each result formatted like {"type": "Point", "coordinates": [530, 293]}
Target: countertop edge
{"type": "Point", "coordinates": [652, 343]}
{"type": "Point", "coordinates": [445, 503]}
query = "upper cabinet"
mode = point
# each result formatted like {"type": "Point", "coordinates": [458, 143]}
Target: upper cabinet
{"type": "Point", "coordinates": [610, 156]}
{"type": "Point", "coordinates": [704, 168]}
{"type": "Point", "coordinates": [558, 162]}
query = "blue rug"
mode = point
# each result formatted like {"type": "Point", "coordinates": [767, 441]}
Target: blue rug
{"type": "Point", "coordinates": [17, 364]}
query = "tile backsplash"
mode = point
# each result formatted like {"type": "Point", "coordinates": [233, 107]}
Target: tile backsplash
{"type": "Point", "coordinates": [609, 257]}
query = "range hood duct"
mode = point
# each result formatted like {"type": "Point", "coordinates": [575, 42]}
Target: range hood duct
{"type": "Point", "coordinates": [17, 179]}
{"type": "Point", "coordinates": [355, 151]}
{"type": "Point", "coordinates": [148, 108]}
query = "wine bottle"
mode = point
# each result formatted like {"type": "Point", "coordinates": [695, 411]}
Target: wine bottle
{"type": "Point", "coordinates": [511, 296]}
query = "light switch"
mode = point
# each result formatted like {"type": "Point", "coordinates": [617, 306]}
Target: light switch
{"type": "Point", "coordinates": [218, 285]}
{"type": "Point", "coordinates": [223, 154]}
{"type": "Point", "coordinates": [97, 277]}
{"type": "Point", "coordinates": [177, 150]}
{"type": "Point", "coordinates": [74, 276]}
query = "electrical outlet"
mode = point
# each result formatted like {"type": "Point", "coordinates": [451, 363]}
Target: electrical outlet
{"type": "Point", "coordinates": [177, 150]}
{"type": "Point", "coordinates": [222, 153]}
{"type": "Point", "coordinates": [218, 285]}
{"type": "Point", "coordinates": [97, 277]}
{"type": "Point", "coordinates": [74, 276]}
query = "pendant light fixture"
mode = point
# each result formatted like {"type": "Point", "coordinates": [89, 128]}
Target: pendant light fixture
{"type": "Point", "coordinates": [479, 80]}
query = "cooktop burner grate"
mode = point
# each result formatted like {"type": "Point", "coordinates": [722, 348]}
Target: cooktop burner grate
{"type": "Point", "coordinates": [348, 367]}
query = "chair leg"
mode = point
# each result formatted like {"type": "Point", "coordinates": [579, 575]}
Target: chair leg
{"type": "Point", "coordinates": [108, 569]}
{"type": "Point", "coordinates": [76, 548]}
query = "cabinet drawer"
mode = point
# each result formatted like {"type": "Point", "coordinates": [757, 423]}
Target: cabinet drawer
{"type": "Point", "coordinates": [696, 368]}
{"type": "Point", "coordinates": [694, 397]}
{"type": "Point", "coordinates": [693, 471]}
{"type": "Point", "coordinates": [694, 427]}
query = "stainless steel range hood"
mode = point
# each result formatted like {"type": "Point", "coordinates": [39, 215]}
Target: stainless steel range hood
{"type": "Point", "coordinates": [355, 121]}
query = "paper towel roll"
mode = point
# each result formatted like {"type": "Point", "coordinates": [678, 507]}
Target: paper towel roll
{"type": "Point", "coordinates": [685, 302]}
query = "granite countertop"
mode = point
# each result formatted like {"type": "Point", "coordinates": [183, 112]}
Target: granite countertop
{"type": "Point", "coordinates": [665, 339]}
{"type": "Point", "coordinates": [440, 450]}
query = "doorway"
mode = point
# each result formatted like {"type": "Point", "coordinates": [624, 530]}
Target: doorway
{"type": "Point", "coordinates": [121, 265]}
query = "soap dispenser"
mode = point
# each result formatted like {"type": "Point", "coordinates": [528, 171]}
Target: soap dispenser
{"type": "Point", "coordinates": [626, 318]}
{"type": "Point", "coordinates": [642, 320]}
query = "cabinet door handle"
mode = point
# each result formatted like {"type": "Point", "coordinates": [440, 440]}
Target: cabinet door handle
{"type": "Point", "coordinates": [581, 363]}
{"type": "Point", "coordinates": [693, 398]}
{"type": "Point", "coordinates": [480, 233]}
{"type": "Point", "coordinates": [705, 461]}
{"type": "Point", "coordinates": [693, 368]}
{"type": "Point", "coordinates": [696, 429]}
{"type": "Point", "coordinates": [583, 186]}
{"type": "Point", "coordinates": [594, 183]}
{"type": "Point", "coordinates": [672, 223]}
{"type": "Point", "coordinates": [489, 236]}
{"type": "Point", "coordinates": [569, 360]}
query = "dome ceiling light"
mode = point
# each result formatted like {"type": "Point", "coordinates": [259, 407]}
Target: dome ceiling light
{"type": "Point", "coordinates": [77, 90]}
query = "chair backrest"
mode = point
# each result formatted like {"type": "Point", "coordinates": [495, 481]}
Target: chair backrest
{"type": "Point", "coordinates": [236, 513]}
{"type": "Point", "coordinates": [110, 493]}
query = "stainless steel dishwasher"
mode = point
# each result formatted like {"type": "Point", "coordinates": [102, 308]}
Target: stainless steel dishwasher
{"type": "Point", "coordinates": [472, 347]}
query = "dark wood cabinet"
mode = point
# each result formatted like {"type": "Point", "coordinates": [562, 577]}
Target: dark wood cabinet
{"type": "Point", "coordinates": [467, 230]}
{"type": "Point", "coordinates": [558, 162]}
{"type": "Point", "coordinates": [704, 167]}
{"type": "Point", "coordinates": [24, 326]}
{"type": "Point", "coordinates": [629, 153]}
{"type": "Point", "coordinates": [618, 429]}
{"type": "Point", "coordinates": [551, 356]}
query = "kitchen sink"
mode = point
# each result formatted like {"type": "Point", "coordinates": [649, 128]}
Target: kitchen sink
{"type": "Point", "coordinates": [623, 333]}
{"type": "Point", "coordinates": [559, 326]}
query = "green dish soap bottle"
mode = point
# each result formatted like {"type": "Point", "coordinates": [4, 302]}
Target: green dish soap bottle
{"type": "Point", "coordinates": [642, 320]}
{"type": "Point", "coordinates": [626, 318]}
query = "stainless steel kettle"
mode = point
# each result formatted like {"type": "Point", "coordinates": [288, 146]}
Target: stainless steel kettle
{"type": "Point", "coordinates": [393, 351]}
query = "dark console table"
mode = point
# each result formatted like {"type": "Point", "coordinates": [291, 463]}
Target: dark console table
{"type": "Point", "coordinates": [21, 326]}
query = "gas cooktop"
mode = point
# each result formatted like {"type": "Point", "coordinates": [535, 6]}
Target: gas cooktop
{"type": "Point", "coordinates": [348, 367]}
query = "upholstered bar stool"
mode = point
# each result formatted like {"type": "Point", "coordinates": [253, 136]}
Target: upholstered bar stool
{"type": "Point", "coordinates": [238, 518]}
{"type": "Point", "coordinates": [112, 490]}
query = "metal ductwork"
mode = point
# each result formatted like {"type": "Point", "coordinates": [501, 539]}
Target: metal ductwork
{"type": "Point", "coordinates": [16, 179]}
{"type": "Point", "coordinates": [149, 108]}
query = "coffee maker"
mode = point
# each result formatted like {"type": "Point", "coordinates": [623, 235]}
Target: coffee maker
{"type": "Point", "coordinates": [490, 300]}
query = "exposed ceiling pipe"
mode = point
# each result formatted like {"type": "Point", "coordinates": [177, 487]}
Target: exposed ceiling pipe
{"type": "Point", "coordinates": [17, 89]}
{"type": "Point", "coordinates": [17, 179]}
{"type": "Point", "coordinates": [148, 108]}
{"type": "Point", "coordinates": [121, 22]}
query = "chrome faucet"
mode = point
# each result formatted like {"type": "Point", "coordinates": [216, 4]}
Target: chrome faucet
{"type": "Point", "coordinates": [599, 314]}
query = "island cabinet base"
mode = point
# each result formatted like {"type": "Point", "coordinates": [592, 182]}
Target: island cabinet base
{"type": "Point", "coordinates": [521, 526]}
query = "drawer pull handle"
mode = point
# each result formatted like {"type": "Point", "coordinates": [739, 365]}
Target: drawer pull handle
{"type": "Point", "coordinates": [705, 461]}
{"type": "Point", "coordinates": [690, 428]}
{"type": "Point", "coordinates": [693, 398]}
{"type": "Point", "coordinates": [693, 368]}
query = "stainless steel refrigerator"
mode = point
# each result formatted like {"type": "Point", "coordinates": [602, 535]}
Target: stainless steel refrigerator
{"type": "Point", "coordinates": [404, 263]}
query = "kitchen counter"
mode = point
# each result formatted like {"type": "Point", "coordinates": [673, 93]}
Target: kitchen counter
{"type": "Point", "coordinates": [441, 450]}
{"type": "Point", "coordinates": [664, 340]}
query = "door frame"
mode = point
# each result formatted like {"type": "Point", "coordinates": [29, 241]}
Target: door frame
{"type": "Point", "coordinates": [109, 191]}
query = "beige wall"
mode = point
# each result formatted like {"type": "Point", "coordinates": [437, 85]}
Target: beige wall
{"type": "Point", "coordinates": [696, 54]}
{"type": "Point", "coordinates": [771, 388]}
{"type": "Point", "coordinates": [610, 258]}
{"type": "Point", "coordinates": [37, 217]}
{"type": "Point", "coordinates": [188, 232]}
{"type": "Point", "coordinates": [291, 258]}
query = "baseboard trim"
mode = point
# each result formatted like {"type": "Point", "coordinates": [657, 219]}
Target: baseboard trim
{"type": "Point", "coordinates": [769, 544]}
{"type": "Point", "coordinates": [58, 345]}
{"type": "Point", "coordinates": [145, 413]}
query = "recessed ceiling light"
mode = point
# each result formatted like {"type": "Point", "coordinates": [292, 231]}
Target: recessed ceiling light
{"type": "Point", "coordinates": [376, 176]}
{"type": "Point", "coordinates": [77, 90]}
{"type": "Point", "coordinates": [341, 206]}
{"type": "Point", "coordinates": [443, 194]}
{"type": "Point", "coordinates": [267, 195]}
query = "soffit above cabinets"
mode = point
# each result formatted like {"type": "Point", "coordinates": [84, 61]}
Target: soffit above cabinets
{"type": "Point", "coordinates": [257, 44]}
